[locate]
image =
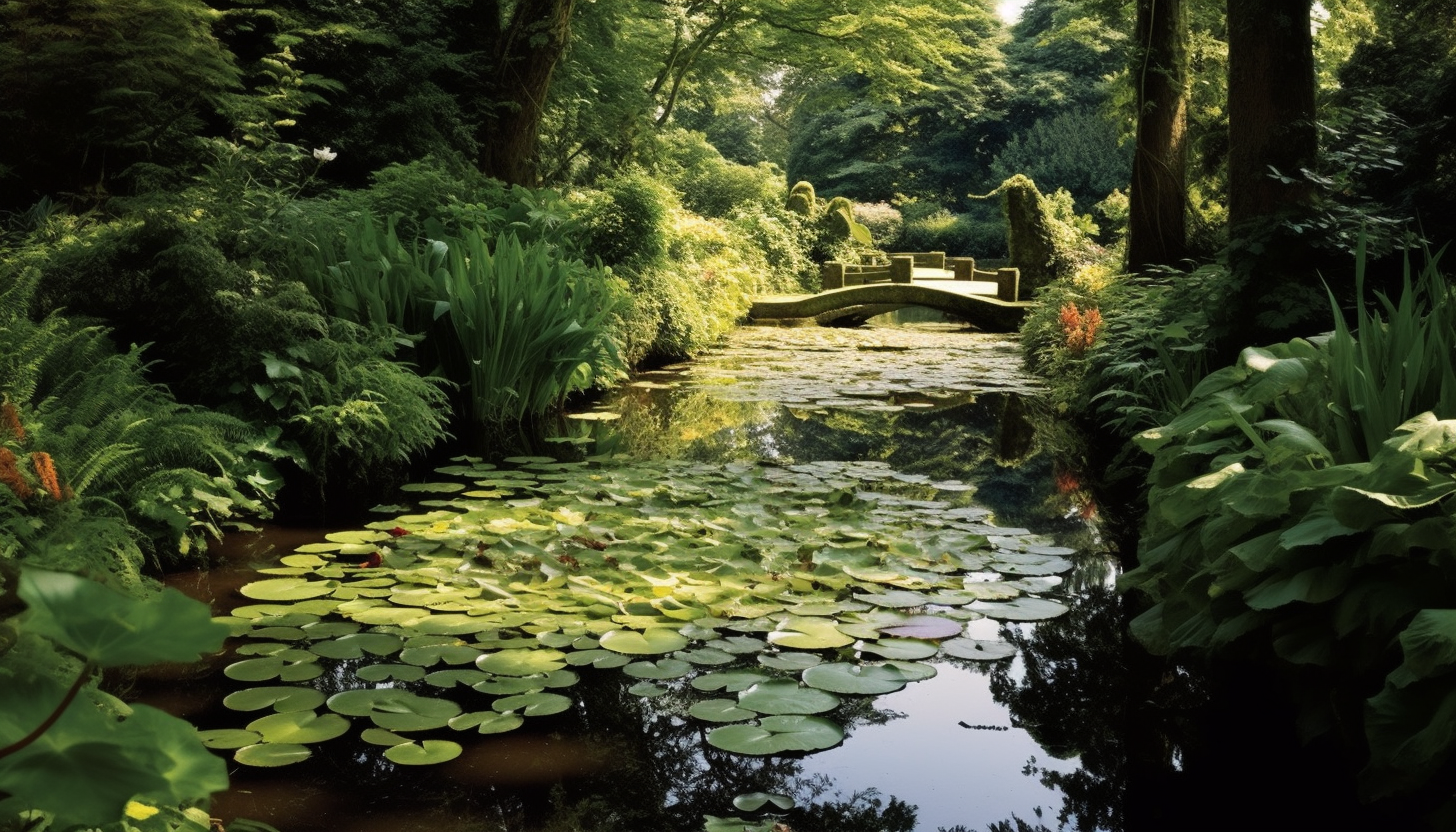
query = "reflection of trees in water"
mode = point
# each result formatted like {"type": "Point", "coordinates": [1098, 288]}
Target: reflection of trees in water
{"type": "Point", "coordinates": [1066, 690]}
{"type": "Point", "coordinates": [664, 775]}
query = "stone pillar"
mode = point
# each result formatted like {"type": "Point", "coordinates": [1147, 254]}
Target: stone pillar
{"type": "Point", "coordinates": [831, 275]}
{"type": "Point", "coordinates": [964, 267]}
{"type": "Point", "coordinates": [934, 260]}
{"type": "Point", "coordinates": [902, 268]}
{"type": "Point", "coordinates": [1008, 284]}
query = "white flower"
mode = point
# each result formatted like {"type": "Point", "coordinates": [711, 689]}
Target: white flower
{"type": "Point", "coordinates": [324, 155]}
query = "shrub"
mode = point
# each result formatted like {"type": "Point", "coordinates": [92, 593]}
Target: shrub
{"type": "Point", "coordinates": [626, 221]}
{"type": "Point", "coordinates": [1301, 509]}
{"type": "Point", "coordinates": [711, 185]}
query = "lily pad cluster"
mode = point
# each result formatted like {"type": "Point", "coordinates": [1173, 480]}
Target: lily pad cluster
{"type": "Point", "coordinates": [880, 369]}
{"type": "Point", "coordinates": [770, 592]}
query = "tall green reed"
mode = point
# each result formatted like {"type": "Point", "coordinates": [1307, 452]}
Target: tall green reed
{"type": "Point", "coordinates": [531, 328]}
{"type": "Point", "coordinates": [1392, 367]}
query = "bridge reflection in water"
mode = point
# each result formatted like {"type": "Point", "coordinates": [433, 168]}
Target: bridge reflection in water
{"type": "Point", "coordinates": [854, 293]}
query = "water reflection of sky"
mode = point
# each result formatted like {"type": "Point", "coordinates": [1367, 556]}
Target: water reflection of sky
{"type": "Point", "coordinates": [954, 775]}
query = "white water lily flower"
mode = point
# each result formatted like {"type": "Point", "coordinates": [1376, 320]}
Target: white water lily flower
{"type": "Point", "coordinates": [324, 155]}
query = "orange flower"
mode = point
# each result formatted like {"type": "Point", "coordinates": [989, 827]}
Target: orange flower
{"type": "Point", "coordinates": [45, 470]}
{"type": "Point", "coordinates": [10, 420]}
{"type": "Point", "coordinates": [10, 474]}
{"type": "Point", "coordinates": [1079, 327]}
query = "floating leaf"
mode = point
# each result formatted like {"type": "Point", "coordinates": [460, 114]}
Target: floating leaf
{"type": "Point", "coordinates": [789, 661]}
{"type": "Point", "coordinates": [228, 738]}
{"type": "Point", "coordinates": [786, 696]}
{"type": "Point", "coordinates": [720, 710]}
{"type": "Point", "coordinates": [521, 662]}
{"type": "Point", "coordinates": [924, 626]}
{"type": "Point", "coordinates": [487, 722]}
{"type": "Point", "coordinates": [662, 669]}
{"type": "Point", "coordinates": [777, 734]}
{"type": "Point", "coordinates": [900, 599]}
{"type": "Point", "coordinates": [597, 658]}
{"type": "Point", "coordinates": [287, 589]}
{"type": "Point", "coordinates": [425, 753]}
{"type": "Point", "coordinates": [387, 672]}
{"type": "Point", "coordinates": [648, 642]}
{"type": "Point", "coordinates": [270, 755]}
{"type": "Point", "coordinates": [299, 727]}
{"type": "Point", "coordinates": [282, 699]}
{"type": "Point", "coordinates": [731, 681]}
{"type": "Point", "coordinates": [899, 648]}
{"type": "Point", "coordinates": [395, 710]}
{"type": "Point", "coordinates": [843, 677]}
{"type": "Point", "coordinates": [753, 801]}
{"type": "Point", "coordinates": [978, 650]}
{"type": "Point", "coordinates": [274, 667]}
{"type": "Point", "coordinates": [803, 633]}
{"type": "Point", "coordinates": [533, 704]}
{"type": "Point", "coordinates": [647, 690]}
{"type": "Point", "coordinates": [379, 736]}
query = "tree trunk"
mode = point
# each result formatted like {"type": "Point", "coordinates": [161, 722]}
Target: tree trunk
{"type": "Point", "coordinates": [1156, 231]}
{"type": "Point", "coordinates": [1270, 107]}
{"type": "Point", "coordinates": [515, 86]}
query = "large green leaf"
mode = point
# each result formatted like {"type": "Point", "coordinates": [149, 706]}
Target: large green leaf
{"type": "Point", "coordinates": [656, 640]}
{"type": "Point", "coordinates": [842, 677]}
{"type": "Point", "coordinates": [299, 727]}
{"type": "Point", "coordinates": [112, 629]}
{"type": "Point", "coordinates": [785, 696]}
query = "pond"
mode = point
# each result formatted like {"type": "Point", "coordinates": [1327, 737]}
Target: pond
{"type": "Point", "coordinates": [834, 579]}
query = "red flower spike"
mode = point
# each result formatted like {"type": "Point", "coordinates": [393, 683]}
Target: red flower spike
{"type": "Point", "coordinates": [398, 531]}
{"type": "Point", "coordinates": [375, 559]}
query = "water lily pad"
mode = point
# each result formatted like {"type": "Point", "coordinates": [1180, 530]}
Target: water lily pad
{"type": "Point", "coordinates": [287, 589]}
{"type": "Point", "coordinates": [282, 699]}
{"type": "Point", "coordinates": [433, 487]}
{"type": "Point", "coordinates": [387, 672]}
{"type": "Point", "coordinates": [978, 650]}
{"type": "Point", "coordinates": [428, 752]}
{"type": "Point", "coordinates": [924, 626]}
{"type": "Point", "coordinates": [793, 662]}
{"type": "Point", "coordinates": [271, 755]}
{"type": "Point", "coordinates": [533, 704]}
{"type": "Point", "coordinates": [662, 669]}
{"type": "Point", "coordinates": [720, 710]}
{"type": "Point", "coordinates": [431, 655]}
{"type": "Point", "coordinates": [299, 727]}
{"type": "Point", "coordinates": [395, 710]}
{"type": "Point", "coordinates": [778, 734]}
{"type": "Point", "coordinates": [273, 667]}
{"type": "Point", "coordinates": [899, 648]}
{"type": "Point", "coordinates": [356, 645]}
{"type": "Point", "coordinates": [456, 676]}
{"type": "Point", "coordinates": [753, 801]}
{"type": "Point", "coordinates": [1021, 609]}
{"type": "Point", "coordinates": [898, 599]}
{"type": "Point", "coordinates": [521, 662]}
{"type": "Point", "coordinates": [803, 633]}
{"type": "Point", "coordinates": [329, 629]}
{"type": "Point", "coordinates": [655, 640]}
{"type": "Point", "coordinates": [731, 681]}
{"type": "Point", "coordinates": [786, 696]}
{"type": "Point", "coordinates": [843, 677]}
{"type": "Point", "coordinates": [647, 690]}
{"type": "Point", "coordinates": [379, 736]}
{"type": "Point", "coordinates": [487, 722]}
{"type": "Point", "coordinates": [707, 656]}
{"type": "Point", "coordinates": [229, 738]}
{"type": "Point", "coordinates": [597, 658]}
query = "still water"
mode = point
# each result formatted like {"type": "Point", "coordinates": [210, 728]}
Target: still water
{"type": "Point", "coordinates": [982, 743]}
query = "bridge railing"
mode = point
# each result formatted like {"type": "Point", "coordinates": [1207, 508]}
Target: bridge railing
{"type": "Point", "coordinates": [902, 268]}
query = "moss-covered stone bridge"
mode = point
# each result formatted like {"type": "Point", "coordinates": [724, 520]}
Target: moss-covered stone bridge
{"type": "Point", "coordinates": [853, 293]}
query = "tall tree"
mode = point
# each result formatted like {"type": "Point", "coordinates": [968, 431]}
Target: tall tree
{"type": "Point", "coordinates": [1271, 108]}
{"type": "Point", "coordinates": [1156, 231]}
{"type": "Point", "coordinates": [518, 45]}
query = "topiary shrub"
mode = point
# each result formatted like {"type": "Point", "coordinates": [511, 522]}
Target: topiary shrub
{"type": "Point", "coordinates": [802, 201]}
{"type": "Point", "coordinates": [1045, 238]}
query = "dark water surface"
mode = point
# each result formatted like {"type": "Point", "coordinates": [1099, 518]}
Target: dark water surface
{"type": "Point", "coordinates": [1032, 738]}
